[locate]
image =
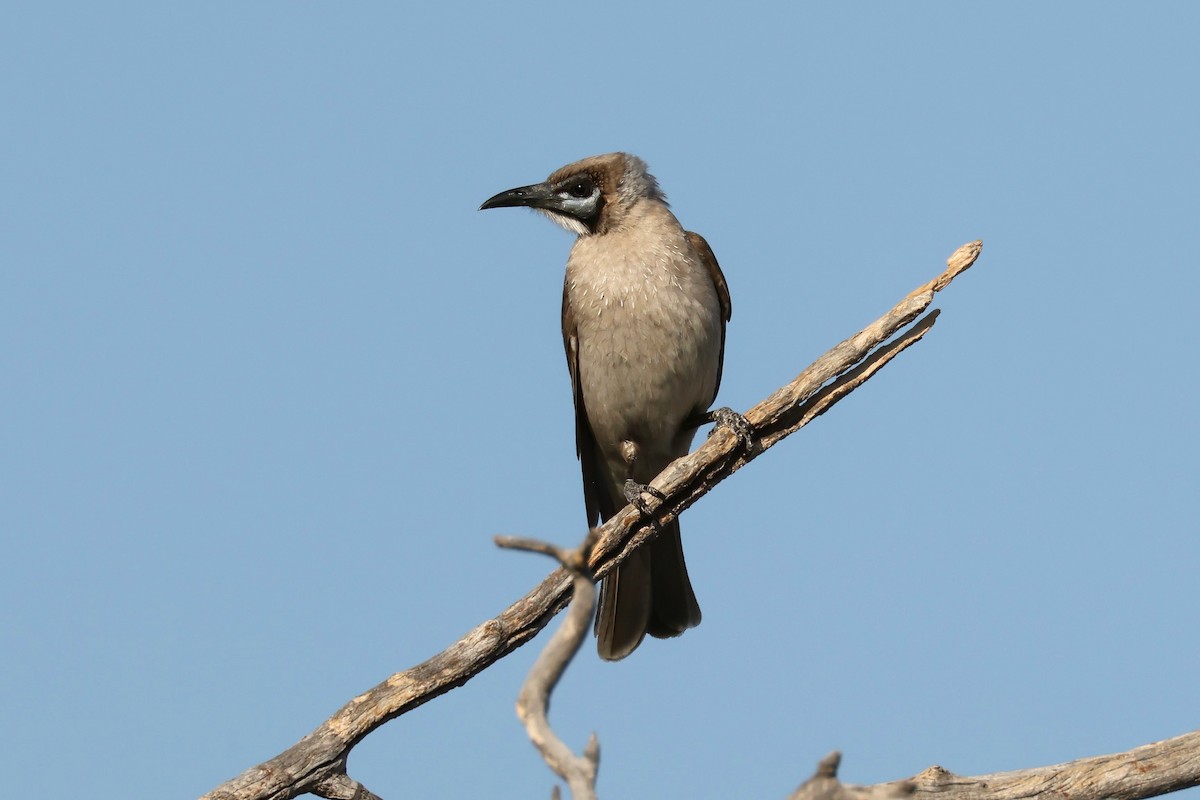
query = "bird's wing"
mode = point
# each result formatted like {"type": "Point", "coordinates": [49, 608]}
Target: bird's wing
{"type": "Point", "coordinates": [596, 496]}
{"type": "Point", "coordinates": [709, 259]}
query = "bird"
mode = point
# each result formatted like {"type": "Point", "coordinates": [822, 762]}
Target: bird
{"type": "Point", "coordinates": [645, 306]}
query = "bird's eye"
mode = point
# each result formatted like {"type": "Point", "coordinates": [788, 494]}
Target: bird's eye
{"type": "Point", "coordinates": [581, 187]}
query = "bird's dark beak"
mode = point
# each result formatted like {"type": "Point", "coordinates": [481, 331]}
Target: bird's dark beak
{"type": "Point", "coordinates": [536, 196]}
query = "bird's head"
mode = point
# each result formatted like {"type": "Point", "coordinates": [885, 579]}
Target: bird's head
{"type": "Point", "coordinates": [589, 196]}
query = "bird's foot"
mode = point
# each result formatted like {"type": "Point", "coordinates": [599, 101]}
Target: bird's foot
{"type": "Point", "coordinates": [728, 418]}
{"type": "Point", "coordinates": [633, 494]}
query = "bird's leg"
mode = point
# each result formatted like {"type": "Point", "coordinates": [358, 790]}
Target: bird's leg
{"type": "Point", "coordinates": [632, 489]}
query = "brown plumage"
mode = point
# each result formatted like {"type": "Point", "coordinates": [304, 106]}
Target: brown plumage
{"type": "Point", "coordinates": [644, 312]}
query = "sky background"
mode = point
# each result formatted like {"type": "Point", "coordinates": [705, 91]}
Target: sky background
{"type": "Point", "coordinates": [269, 384]}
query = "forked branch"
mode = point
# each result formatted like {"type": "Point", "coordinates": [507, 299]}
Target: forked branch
{"type": "Point", "coordinates": [533, 703]}
{"type": "Point", "coordinates": [316, 764]}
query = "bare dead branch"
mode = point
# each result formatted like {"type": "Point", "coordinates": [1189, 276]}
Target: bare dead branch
{"type": "Point", "coordinates": [533, 702]}
{"type": "Point", "coordinates": [1148, 771]}
{"type": "Point", "coordinates": [316, 759]}
{"type": "Point", "coordinates": [824, 785]}
{"type": "Point", "coordinates": [340, 786]}
{"type": "Point", "coordinates": [687, 479]}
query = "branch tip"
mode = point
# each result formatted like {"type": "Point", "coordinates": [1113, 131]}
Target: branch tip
{"type": "Point", "coordinates": [533, 546]}
{"type": "Point", "coordinates": [592, 750]}
{"type": "Point", "coordinates": [827, 767]}
{"type": "Point", "coordinates": [958, 262]}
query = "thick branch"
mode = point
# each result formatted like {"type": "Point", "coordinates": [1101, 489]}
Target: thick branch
{"type": "Point", "coordinates": [316, 760]}
{"type": "Point", "coordinates": [1147, 771]}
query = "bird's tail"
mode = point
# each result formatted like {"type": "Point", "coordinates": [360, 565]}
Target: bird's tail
{"type": "Point", "coordinates": [649, 593]}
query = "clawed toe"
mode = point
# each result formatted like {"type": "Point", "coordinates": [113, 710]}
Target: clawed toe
{"type": "Point", "coordinates": [728, 418]}
{"type": "Point", "coordinates": [634, 491]}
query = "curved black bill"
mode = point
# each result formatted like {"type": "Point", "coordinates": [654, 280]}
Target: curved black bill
{"type": "Point", "coordinates": [535, 196]}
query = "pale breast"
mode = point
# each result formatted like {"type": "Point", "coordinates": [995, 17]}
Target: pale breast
{"type": "Point", "coordinates": [649, 328]}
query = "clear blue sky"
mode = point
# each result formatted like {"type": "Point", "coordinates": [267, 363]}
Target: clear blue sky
{"type": "Point", "coordinates": [270, 383]}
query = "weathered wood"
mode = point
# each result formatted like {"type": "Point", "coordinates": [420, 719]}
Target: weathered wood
{"type": "Point", "coordinates": [533, 702]}
{"type": "Point", "coordinates": [317, 763]}
{"type": "Point", "coordinates": [1147, 771]}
